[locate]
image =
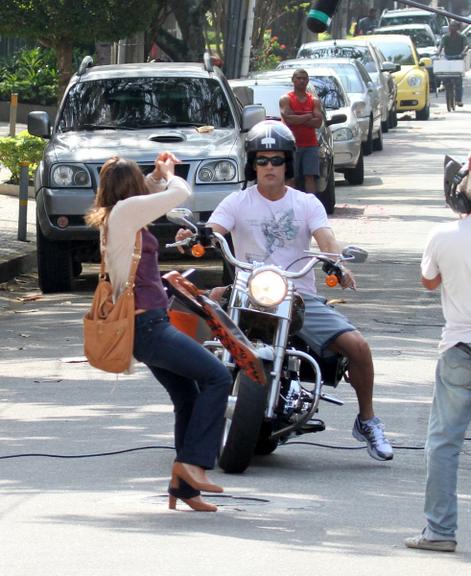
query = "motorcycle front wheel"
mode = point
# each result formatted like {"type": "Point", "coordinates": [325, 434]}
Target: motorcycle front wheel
{"type": "Point", "coordinates": [243, 421]}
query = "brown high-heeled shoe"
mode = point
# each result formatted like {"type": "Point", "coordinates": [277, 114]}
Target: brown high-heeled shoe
{"type": "Point", "coordinates": [195, 477]}
{"type": "Point", "coordinates": [179, 489]}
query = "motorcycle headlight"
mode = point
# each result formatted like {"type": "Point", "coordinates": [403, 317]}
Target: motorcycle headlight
{"type": "Point", "coordinates": [216, 171]}
{"type": "Point", "coordinates": [70, 175]}
{"type": "Point", "coordinates": [342, 134]}
{"type": "Point", "coordinates": [267, 287]}
{"type": "Point", "coordinates": [414, 81]}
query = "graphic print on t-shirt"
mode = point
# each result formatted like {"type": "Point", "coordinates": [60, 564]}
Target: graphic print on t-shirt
{"type": "Point", "coordinates": [279, 230]}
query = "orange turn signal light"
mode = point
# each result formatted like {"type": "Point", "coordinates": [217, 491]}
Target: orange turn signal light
{"type": "Point", "coordinates": [198, 250]}
{"type": "Point", "coordinates": [331, 280]}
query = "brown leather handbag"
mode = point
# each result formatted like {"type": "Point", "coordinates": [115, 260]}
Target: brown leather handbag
{"type": "Point", "coordinates": [108, 328]}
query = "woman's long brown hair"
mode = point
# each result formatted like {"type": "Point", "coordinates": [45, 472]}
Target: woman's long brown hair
{"type": "Point", "coordinates": [120, 178]}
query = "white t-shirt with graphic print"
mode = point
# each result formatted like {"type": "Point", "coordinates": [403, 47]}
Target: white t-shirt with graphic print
{"type": "Point", "coordinates": [274, 232]}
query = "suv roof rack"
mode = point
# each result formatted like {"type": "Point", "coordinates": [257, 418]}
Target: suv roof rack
{"type": "Point", "coordinates": [86, 63]}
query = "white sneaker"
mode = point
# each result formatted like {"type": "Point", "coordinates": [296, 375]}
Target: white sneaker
{"type": "Point", "coordinates": [421, 543]}
{"type": "Point", "coordinates": [372, 432]}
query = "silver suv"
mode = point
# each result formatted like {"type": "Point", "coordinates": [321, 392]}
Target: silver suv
{"type": "Point", "coordinates": [136, 111]}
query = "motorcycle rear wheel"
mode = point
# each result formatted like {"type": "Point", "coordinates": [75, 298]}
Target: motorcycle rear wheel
{"type": "Point", "coordinates": [244, 418]}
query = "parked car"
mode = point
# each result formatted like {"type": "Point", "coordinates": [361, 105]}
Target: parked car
{"type": "Point", "coordinates": [267, 91]}
{"type": "Point", "coordinates": [346, 134]}
{"type": "Point", "coordinates": [375, 63]}
{"type": "Point", "coordinates": [137, 111]}
{"type": "Point", "coordinates": [412, 79]}
{"type": "Point", "coordinates": [424, 39]}
{"type": "Point", "coordinates": [361, 90]}
{"type": "Point", "coordinates": [437, 22]}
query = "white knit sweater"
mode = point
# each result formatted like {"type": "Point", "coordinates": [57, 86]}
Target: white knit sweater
{"type": "Point", "coordinates": [130, 215]}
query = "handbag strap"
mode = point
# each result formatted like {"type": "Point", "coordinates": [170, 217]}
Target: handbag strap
{"type": "Point", "coordinates": [136, 256]}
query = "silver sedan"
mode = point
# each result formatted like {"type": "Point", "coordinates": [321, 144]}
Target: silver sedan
{"type": "Point", "coordinates": [361, 90]}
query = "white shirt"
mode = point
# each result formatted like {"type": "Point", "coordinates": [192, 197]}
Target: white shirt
{"type": "Point", "coordinates": [448, 253]}
{"type": "Point", "coordinates": [274, 232]}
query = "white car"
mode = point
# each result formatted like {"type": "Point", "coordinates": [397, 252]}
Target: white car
{"type": "Point", "coordinates": [375, 63]}
{"type": "Point", "coordinates": [348, 154]}
{"type": "Point", "coordinates": [361, 90]}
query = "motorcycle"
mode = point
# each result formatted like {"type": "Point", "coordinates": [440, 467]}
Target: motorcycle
{"type": "Point", "coordinates": [278, 381]}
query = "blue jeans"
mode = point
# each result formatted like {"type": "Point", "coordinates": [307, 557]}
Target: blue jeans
{"type": "Point", "coordinates": [449, 419]}
{"type": "Point", "coordinates": [196, 381]}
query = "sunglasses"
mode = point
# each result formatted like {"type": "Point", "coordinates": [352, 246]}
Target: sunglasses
{"type": "Point", "coordinates": [273, 160]}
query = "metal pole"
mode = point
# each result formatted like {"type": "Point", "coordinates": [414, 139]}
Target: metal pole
{"type": "Point", "coordinates": [244, 70]}
{"type": "Point", "coordinates": [436, 10]}
{"type": "Point", "coordinates": [13, 110]}
{"type": "Point", "coordinates": [23, 201]}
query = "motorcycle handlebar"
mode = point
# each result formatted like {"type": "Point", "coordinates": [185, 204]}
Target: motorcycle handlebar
{"type": "Point", "coordinates": [224, 246]}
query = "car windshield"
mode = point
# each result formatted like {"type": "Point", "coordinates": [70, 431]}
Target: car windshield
{"type": "Point", "coordinates": [357, 52]}
{"type": "Point", "coordinates": [131, 103]}
{"type": "Point", "coordinates": [329, 91]}
{"type": "Point", "coordinates": [396, 52]}
{"type": "Point", "coordinates": [350, 78]}
{"type": "Point", "coordinates": [404, 19]}
{"type": "Point", "coordinates": [421, 38]}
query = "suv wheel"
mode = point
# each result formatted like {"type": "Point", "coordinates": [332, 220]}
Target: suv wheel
{"type": "Point", "coordinates": [55, 271]}
{"type": "Point", "coordinates": [355, 176]}
{"type": "Point", "coordinates": [328, 196]}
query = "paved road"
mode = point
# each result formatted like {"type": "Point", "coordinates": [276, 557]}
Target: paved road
{"type": "Point", "coordinates": [305, 508]}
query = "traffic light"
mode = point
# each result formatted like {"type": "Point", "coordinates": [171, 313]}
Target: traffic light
{"type": "Point", "coordinates": [320, 15]}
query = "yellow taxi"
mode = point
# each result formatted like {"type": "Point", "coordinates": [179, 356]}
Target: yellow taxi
{"type": "Point", "coordinates": [413, 93]}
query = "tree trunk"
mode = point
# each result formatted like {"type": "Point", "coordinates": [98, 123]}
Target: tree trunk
{"type": "Point", "coordinates": [190, 15]}
{"type": "Point", "coordinates": [63, 51]}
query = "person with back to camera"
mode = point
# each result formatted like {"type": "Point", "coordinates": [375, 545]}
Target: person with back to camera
{"type": "Point", "coordinates": [446, 262]}
{"type": "Point", "coordinates": [274, 223]}
{"type": "Point", "coordinates": [454, 45]}
{"type": "Point", "coordinates": [300, 110]}
{"type": "Point", "coordinates": [198, 387]}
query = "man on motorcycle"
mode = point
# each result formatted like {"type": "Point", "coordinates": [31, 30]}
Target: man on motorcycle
{"type": "Point", "coordinates": [273, 223]}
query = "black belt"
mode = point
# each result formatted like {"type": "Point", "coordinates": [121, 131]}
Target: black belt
{"type": "Point", "coordinates": [465, 347]}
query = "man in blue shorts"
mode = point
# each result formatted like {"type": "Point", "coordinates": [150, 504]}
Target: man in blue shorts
{"type": "Point", "coordinates": [300, 111]}
{"type": "Point", "coordinates": [273, 223]}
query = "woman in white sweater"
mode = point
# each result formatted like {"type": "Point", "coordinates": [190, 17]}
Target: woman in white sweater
{"type": "Point", "coordinates": [197, 382]}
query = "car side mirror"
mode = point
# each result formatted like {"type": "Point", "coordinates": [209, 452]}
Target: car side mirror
{"type": "Point", "coordinates": [39, 124]}
{"type": "Point", "coordinates": [252, 114]}
{"type": "Point", "coordinates": [425, 62]}
{"type": "Point", "coordinates": [336, 119]}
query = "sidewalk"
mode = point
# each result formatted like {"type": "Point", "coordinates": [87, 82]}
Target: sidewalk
{"type": "Point", "coordinates": [16, 257]}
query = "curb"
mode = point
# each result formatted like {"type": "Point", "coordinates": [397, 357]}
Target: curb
{"type": "Point", "coordinates": [16, 266]}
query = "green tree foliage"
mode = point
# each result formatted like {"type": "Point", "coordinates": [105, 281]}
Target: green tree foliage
{"type": "Point", "coordinates": [21, 148]}
{"type": "Point", "coordinates": [63, 24]}
{"type": "Point", "coordinates": [32, 75]}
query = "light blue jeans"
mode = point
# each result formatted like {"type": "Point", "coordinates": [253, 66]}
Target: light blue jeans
{"type": "Point", "coordinates": [449, 419]}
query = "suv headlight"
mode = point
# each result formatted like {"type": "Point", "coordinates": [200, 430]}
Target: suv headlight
{"type": "Point", "coordinates": [70, 175]}
{"type": "Point", "coordinates": [267, 287]}
{"type": "Point", "coordinates": [216, 171]}
{"type": "Point", "coordinates": [342, 134]}
{"type": "Point", "coordinates": [414, 81]}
